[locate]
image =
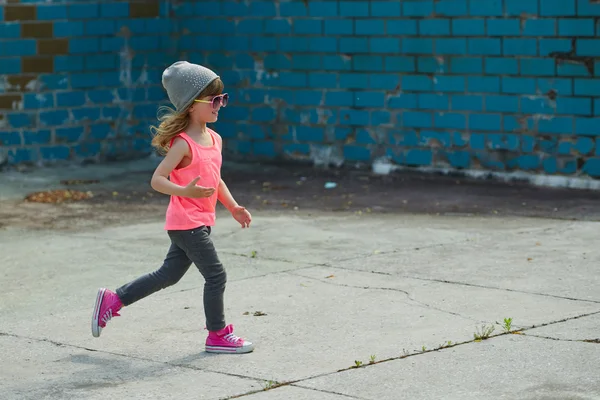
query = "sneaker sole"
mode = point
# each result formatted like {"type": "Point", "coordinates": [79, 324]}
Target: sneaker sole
{"type": "Point", "coordinates": [95, 327]}
{"type": "Point", "coordinates": [229, 350]}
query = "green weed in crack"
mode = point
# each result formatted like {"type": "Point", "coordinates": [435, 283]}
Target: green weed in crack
{"type": "Point", "coordinates": [271, 385]}
{"type": "Point", "coordinates": [485, 332]}
{"type": "Point", "coordinates": [507, 325]}
{"type": "Point", "coordinates": [372, 359]}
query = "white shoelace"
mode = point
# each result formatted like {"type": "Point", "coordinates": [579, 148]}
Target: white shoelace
{"type": "Point", "coordinates": [231, 338]}
{"type": "Point", "coordinates": [107, 316]}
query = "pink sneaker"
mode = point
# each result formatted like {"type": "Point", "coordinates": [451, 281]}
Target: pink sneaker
{"type": "Point", "coordinates": [224, 341]}
{"type": "Point", "coordinates": [107, 306]}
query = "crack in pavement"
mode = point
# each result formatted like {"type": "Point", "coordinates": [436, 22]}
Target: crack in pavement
{"type": "Point", "coordinates": [594, 341]}
{"type": "Point", "coordinates": [408, 295]}
{"type": "Point", "coordinates": [329, 392]}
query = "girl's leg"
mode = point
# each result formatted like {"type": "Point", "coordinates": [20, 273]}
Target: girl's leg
{"type": "Point", "coordinates": [108, 303]}
{"type": "Point", "coordinates": [200, 249]}
{"type": "Point", "coordinates": [175, 265]}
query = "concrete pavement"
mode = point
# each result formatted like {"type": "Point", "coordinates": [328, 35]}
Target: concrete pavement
{"type": "Point", "coordinates": [335, 290]}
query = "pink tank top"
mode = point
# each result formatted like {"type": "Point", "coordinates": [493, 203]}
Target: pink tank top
{"type": "Point", "coordinates": [187, 213]}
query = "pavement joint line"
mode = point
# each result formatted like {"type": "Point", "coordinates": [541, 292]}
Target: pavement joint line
{"type": "Point", "coordinates": [329, 392]}
{"type": "Point", "coordinates": [591, 341]}
{"type": "Point", "coordinates": [171, 364]}
{"type": "Point", "coordinates": [408, 295]}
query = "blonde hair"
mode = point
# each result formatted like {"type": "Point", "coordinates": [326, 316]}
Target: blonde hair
{"type": "Point", "coordinates": [172, 123]}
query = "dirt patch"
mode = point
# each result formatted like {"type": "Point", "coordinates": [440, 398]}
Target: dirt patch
{"type": "Point", "coordinates": [300, 189]}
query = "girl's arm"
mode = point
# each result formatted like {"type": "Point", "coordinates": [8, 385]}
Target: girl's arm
{"type": "Point", "coordinates": [225, 197]}
{"type": "Point", "coordinates": [160, 179]}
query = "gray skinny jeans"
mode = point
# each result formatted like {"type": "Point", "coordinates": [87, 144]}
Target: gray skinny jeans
{"type": "Point", "coordinates": [187, 246]}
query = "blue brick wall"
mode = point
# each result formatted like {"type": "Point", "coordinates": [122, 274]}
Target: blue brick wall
{"type": "Point", "coordinates": [485, 84]}
{"type": "Point", "coordinates": [81, 79]}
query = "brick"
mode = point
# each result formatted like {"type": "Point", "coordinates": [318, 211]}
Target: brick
{"type": "Point", "coordinates": [262, 9]}
{"type": "Point", "coordinates": [486, 8]}
{"type": "Point", "coordinates": [501, 66]}
{"type": "Point", "coordinates": [558, 125]}
{"type": "Point", "coordinates": [454, 46]}
{"type": "Point", "coordinates": [158, 25]}
{"type": "Point", "coordinates": [21, 83]}
{"type": "Point", "coordinates": [504, 27]}
{"type": "Point", "coordinates": [19, 12]}
{"type": "Point", "coordinates": [520, 47]}
{"type": "Point", "coordinates": [83, 45]}
{"type": "Point", "coordinates": [68, 135]}
{"type": "Point", "coordinates": [386, 9]}
{"type": "Point", "coordinates": [485, 47]}
{"type": "Point", "coordinates": [323, 44]}
{"type": "Point", "coordinates": [467, 103]}
{"type": "Point", "coordinates": [552, 8]}
{"type": "Point", "coordinates": [419, 83]}
{"type": "Point", "coordinates": [384, 45]}
{"type": "Point", "coordinates": [429, 101]}
{"type": "Point", "coordinates": [502, 104]}
{"type": "Point", "coordinates": [434, 27]}
{"type": "Point", "coordinates": [536, 105]}
{"type": "Point", "coordinates": [121, 10]}
{"type": "Point", "coordinates": [70, 99]}
{"type": "Point", "coordinates": [560, 85]}
{"type": "Point", "coordinates": [51, 12]}
{"type": "Point", "coordinates": [418, 157]}
{"type": "Point", "coordinates": [587, 8]}
{"type": "Point", "coordinates": [22, 47]}
{"type": "Point", "coordinates": [20, 120]}
{"type": "Point", "coordinates": [380, 117]}
{"type": "Point", "coordinates": [518, 85]}
{"type": "Point", "coordinates": [447, 83]}
{"type": "Point", "coordinates": [53, 118]}
{"type": "Point", "coordinates": [85, 80]}
{"type": "Point", "coordinates": [10, 66]}
{"type": "Point", "coordinates": [339, 99]}
{"type": "Point", "coordinates": [354, 45]}
{"type": "Point", "coordinates": [569, 69]}
{"type": "Point", "coordinates": [574, 106]}
{"type": "Point", "coordinates": [503, 142]}
{"type": "Point", "coordinates": [429, 138]}
{"type": "Point", "coordinates": [485, 122]}
{"type": "Point", "coordinates": [293, 79]}
{"type": "Point", "coordinates": [452, 8]}
{"type": "Point", "coordinates": [37, 64]}
{"type": "Point", "coordinates": [84, 11]}
{"type": "Point", "coordinates": [354, 117]}
{"type": "Point", "coordinates": [9, 101]}
{"type": "Point", "coordinates": [100, 27]}
{"type": "Point", "coordinates": [400, 64]}
{"type": "Point", "coordinates": [36, 30]}
{"type": "Point", "coordinates": [405, 101]}
{"type": "Point", "coordinates": [310, 134]}
{"type": "Point", "coordinates": [10, 30]}
{"type": "Point", "coordinates": [588, 47]}
{"type": "Point", "coordinates": [587, 87]}
{"type": "Point", "coordinates": [548, 46]}
{"type": "Point", "coordinates": [468, 27]}
{"type": "Point", "coordinates": [576, 27]}
{"type": "Point", "coordinates": [417, 119]}
{"type": "Point", "coordinates": [421, 8]}
{"type": "Point", "coordinates": [142, 10]}
{"type": "Point", "coordinates": [322, 8]}
{"type": "Point", "coordinates": [322, 80]}
{"type": "Point", "coordinates": [369, 99]}
{"type": "Point", "coordinates": [450, 121]}
{"type": "Point", "coordinates": [417, 46]}
{"type": "Point", "coordinates": [337, 63]}
{"type": "Point", "coordinates": [271, 61]}
{"type": "Point", "coordinates": [369, 27]}
{"type": "Point", "coordinates": [51, 153]}
{"type": "Point", "coordinates": [228, 9]}
{"type": "Point", "coordinates": [250, 26]}
{"type": "Point", "coordinates": [539, 27]}
{"type": "Point", "coordinates": [68, 29]}
{"type": "Point", "coordinates": [338, 27]}
{"type": "Point", "coordinates": [53, 46]}
{"type": "Point", "coordinates": [141, 43]}
{"type": "Point", "coordinates": [354, 81]}
{"type": "Point", "coordinates": [483, 84]}
{"type": "Point", "coordinates": [308, 26]}
{"type": "Point", "coordinates": [367, 63]}
{"type": "Point", "coordinates": [293, 9]}
{"type": "Point", "coordinates": [10, 139]}
{"type": "Point", "coordinates": [263, 43]}
{"type": "Point", "coordinates": [538, 67]}
{"type": "Point", "coordinates": [384, 81]}
{"type": "Point", "coordinates": [429, 65]}
{"type": "Point", "coordinates": [356, 153]}
{"type": "Point", "coordinates": [354, 8]}
{"type": "Point", "coordinates": [401, 27]}
{"type": "Point", "coordinates": [216, 26]}
{"type": "Point", "coordinates": [587, 126]}
{"type": "Point", "coordinates": [519, 7]}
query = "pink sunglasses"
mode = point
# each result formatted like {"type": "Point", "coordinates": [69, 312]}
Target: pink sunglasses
{"type": "Point", "coordinates": [221, 99]}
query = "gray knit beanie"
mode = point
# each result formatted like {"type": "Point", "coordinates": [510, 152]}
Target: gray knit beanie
{"type": "Point", "coordinates": [185, 81]}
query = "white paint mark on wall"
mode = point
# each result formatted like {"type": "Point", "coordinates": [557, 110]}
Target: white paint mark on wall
{"type": "Point", "coordinates": [323, 156]}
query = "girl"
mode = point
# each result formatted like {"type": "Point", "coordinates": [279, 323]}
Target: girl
{"type": "Point", "coordinates": [190, 174]}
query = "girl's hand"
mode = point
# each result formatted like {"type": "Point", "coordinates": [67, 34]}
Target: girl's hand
{"type": "Point", "coordinates": [195, 192]}
{"type": "Point", "coordinates": [241, 215]}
